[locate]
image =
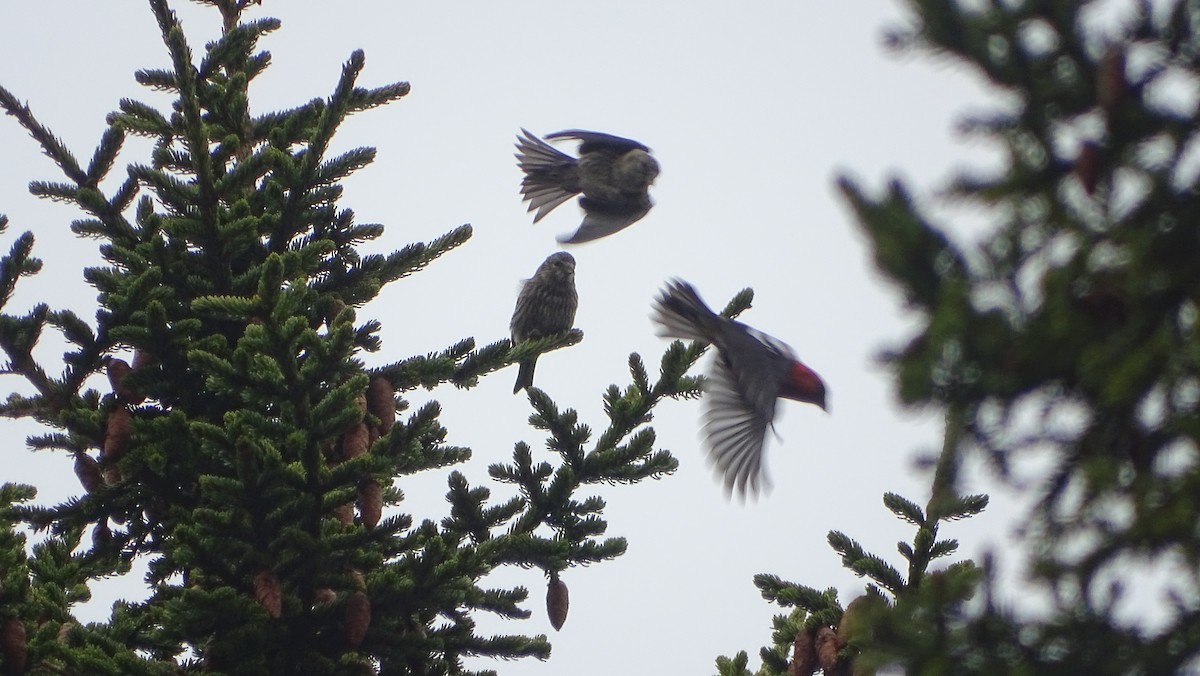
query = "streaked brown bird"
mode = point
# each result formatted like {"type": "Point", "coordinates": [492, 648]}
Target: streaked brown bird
{"type": "Point", "coordinates": [612, 173]}
{"type": "Point", "coordinates": [752, 371]}
{"type": "Point", "coordinates": [545, 306]}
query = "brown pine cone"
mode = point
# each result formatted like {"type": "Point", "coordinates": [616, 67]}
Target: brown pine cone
{"type": "Point", "coordinates": [804, 654]}
{"type": "Point", "coordinates": [12, 644]}
{"type": "Point", "coordinates": [117, 431]}
{"type": "Point", "coordinates": [268, 592]}
{"type": "Point", "coordinates": [88, 471]}
{"type": "Point", "coordinates": [358, 618]}
{"type": "Point", "coordinates": [381, 402]}
{"type": "Point", "coordinates": [354, 442]}
{"type": "Point", "coordinates": [370, 502]}
{"type": "Point", "coordinates": [557, 601]}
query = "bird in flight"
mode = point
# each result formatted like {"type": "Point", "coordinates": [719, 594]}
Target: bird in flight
{"type": "Point", "coordinates": [752, 371]}
{"type": "Point", "coordinates": [612, 175]}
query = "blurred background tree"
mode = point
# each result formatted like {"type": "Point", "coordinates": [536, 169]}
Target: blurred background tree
{"type": "Point", "coordinates": [1061, 336]}
{"type": "Point", "coordinates": [243, 448]}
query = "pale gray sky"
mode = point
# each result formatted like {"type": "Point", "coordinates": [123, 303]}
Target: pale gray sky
{"type": "Point", "coordinates": [750, 109]}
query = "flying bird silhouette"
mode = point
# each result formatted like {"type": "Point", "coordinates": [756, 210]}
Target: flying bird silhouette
{"type": "Point", "coordinates": [612, 173]}
{"type": "Point", "coordinates": [752, 371]}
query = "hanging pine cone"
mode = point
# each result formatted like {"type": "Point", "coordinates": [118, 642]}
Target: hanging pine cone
{"type": "Point", "coordinates": [354, 442]}
{"type": "Point", "coordinates": [827, 650]}
{"type": "Point", "coordinates": [117, 431]}
{"type": "Point", "coordinates": [324, 595]}
{"type": "Point", "coordinates": [268, 592]}
{"type": "Point", "coordinates": [804, 654]}
{"type": "Point", "coordinates": [142, 359]}
{"type": "Point", "coordinates": [381, 402]}
{"type": "Point", "coordinates": [358, 618]}
{"type": "Point", "coordinates": [1111, 85]}
{"type": "Point", "coordinates": [360, 402]}
{"type": "Point", "coordinates": [88, 471]}
{"type": "Point", "coordinates": [12, 644]}
{"type": "Point", "coordinates": [111, 474]}
{"type": "Point", "coordinates": [101, 535]}
{"type": "Point", "coordinates": [344, 514]}
{"type": "Point", "coordinates": [557, 601]}
{"type": "Point", "coordinates": [117, 370]}
{"type": "Point", "coordinates": [370, 502]}
{"type": "Point", "coordinates": [64, 631]}
{"type": "Point", "coordinates": [856, 622]}
{"type": "Point", "coordinates": [1087, 166]}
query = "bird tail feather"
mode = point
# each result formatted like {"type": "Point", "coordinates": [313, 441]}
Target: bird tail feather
{"type": "Point", "coordinates": [524, 375]}
{"type": "Point", "coordinates": [681, 313]}
{"type": "Point", "coordinates": [546, 169]}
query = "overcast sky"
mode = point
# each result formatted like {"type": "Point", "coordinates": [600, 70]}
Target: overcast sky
{"type": "Point", "coordinates": [751, 109]}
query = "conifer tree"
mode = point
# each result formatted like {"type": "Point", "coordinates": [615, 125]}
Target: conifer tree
{"type": "Point", "coordinates": [1067, 329]}
{"type": "Point", "coordinates": [241, 445]}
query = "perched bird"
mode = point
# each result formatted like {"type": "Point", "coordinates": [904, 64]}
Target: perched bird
{"type": "Point", "coordinates": [613, 173]}
{"type": "Point", "coordinates": [752, 370]}
{"type": "Point", "coordinates": [545, 306]}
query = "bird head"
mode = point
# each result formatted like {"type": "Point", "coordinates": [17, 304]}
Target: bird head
{"type": "Point", "coordinates": [803, 384]}
{"type": "Point", "coordinates": [560, 264]}
{"type": "Point", "coordinates": [636, 170]}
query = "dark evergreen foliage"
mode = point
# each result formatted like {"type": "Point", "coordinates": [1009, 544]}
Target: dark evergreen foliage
{"type": "Point", "coordinates": [1067, 328]}
{"type": "Point", "coordinates": [247, 453]}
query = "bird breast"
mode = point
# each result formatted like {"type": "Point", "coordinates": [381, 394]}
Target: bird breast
{"type": "Point", "coordinates": [616, 179]}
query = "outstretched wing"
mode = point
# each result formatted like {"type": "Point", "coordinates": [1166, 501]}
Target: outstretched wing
{"type": "Point", "coordinates": [601, 220]}
{"type": "Point", "coordinates": [591, 141]}
{"type": "Point", "coordinates": [736, 430]}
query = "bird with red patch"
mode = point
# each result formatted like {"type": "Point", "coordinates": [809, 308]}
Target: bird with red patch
{"type": "Point", "coordinates": [752, 371]}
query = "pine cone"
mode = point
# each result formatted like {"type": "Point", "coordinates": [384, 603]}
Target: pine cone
{"type": "Point", "coordinates": [324, 595]}
{"type": "Point", "coordinates": [112, 475]}
{"type": "Point", "coordinates": [856, 623]}
{"type": "Point", "coordinates": [358, 618]}
{"type": "Point", "coordinates": [804, 654]}
{"type": "Point", "coordinates": [268, 592]}
{"type": "Point", "coordinates": [142, 359]}
{"type": "Point", "coordinates": [1111, 85]}
{"type": "Point", "coordinates": [88, 471]}
{"type": "Point", "coordinates": [381, 402]}
{"type": "Point", "coordinates": [344, 514]}
{"type": "Point", "coordinates": [360, 402]}
{"type": "Point", "coordinates": [64, 631]}
{"type": "Point", "coordinates": [557, 602]}
{"type": "Point", "coordinates": [856, 627]}
{"type": "Point", "coordinates": [354, 442]}
{"type": "Point", "coordinates": [12, 644]}
{"type": "Point", "coordinates": [370, 502]}
{"type": "Point", "coordinates": [101, 535]}
{"type": "Point", "coordinates": [1087, 166]}
{"type": "Point", "coordinates": [827, 650]}
{"type": "Point", "coordinates": [116, 434]}
{"type": "Point", "coordinates": [117, 370]}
